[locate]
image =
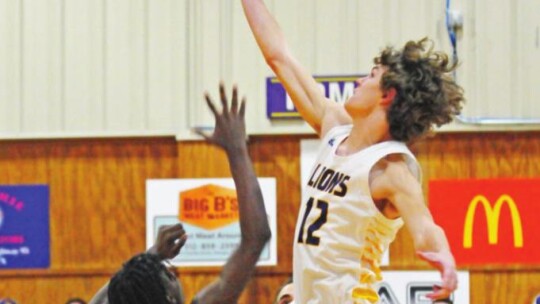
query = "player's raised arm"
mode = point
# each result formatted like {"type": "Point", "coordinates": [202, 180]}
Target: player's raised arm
{"type": "Point", "coordinates": [309, 100]}
{"type": "Point", "coordinates": [230, 135]}
{"type": "Point", "coordinates": [398, 185]}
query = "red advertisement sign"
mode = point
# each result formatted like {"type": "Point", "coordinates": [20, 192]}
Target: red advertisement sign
{"type": "Point", "coordinates": [209, 207]}
{"type": "Point", "coordinates": [489, 222]}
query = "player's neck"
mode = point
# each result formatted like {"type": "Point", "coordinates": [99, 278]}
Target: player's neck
{"type": "Point", "coordinates": [366, 131]}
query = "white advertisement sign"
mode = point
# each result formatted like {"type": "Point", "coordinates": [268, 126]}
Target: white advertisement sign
{"type": "Point", "coordinates": [308, 155]}
{"type": "Point", "coordinates": [208, 210]}
{"type": "Point", "coordinates": [411, 287]}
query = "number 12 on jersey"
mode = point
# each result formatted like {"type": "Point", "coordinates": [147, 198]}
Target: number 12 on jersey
{"type": "Point", "coordinates": [316, 225]}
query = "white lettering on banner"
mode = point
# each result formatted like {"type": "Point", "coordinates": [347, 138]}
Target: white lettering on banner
{"type": "Point", "coordinates": [322, 88]}
{"type": "Point", "coordinates": [416, 293]}
{"type": "Point", "coordinates": [6, 251]}
{"type": "Point", "coordinates": [289, 105]}
{"type": "Point", "coordinates": [336, 94]}
{"type": "Point", "coordinates": [24, 250]}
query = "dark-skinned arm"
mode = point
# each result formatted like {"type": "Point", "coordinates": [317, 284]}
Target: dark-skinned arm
{"type": "Point", "coordinates": [230, 135]}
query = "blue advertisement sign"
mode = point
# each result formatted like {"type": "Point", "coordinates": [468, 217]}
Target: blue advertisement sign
{"type": "Point", "coordinates": [279, 104]}
{"type": "Point", "coordinates": [24, 227]}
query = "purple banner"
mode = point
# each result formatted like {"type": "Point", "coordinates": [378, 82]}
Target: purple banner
{"type": "Point", "coordinates": [24, 227]}
{"type": "Point", "coordinates": [279, 105]}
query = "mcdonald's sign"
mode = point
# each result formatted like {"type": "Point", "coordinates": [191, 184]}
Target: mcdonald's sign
{"type": "Point", "coordinates": [489, 222]}
{"type": "Point", "coordinates": [492, 217]}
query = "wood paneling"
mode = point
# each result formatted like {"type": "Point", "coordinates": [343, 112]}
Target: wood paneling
{"type": "Point", "coordinates": [518, 287]}
{"type": "Point", "coordinates": [98, 205]}
{"type": "Point", "coordinates": [51, 290]}
{"type": "Point", "coordinates": [97, 193]}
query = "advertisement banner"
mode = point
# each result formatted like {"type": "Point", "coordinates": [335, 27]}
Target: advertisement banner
{"type": "Point", "coordinates": [489, 222]}
{"type": "Point", "coordinates": [279, 104]}
{"type": "Point", "coordinates": [24, 227]}
{"type": "Point", "coordinates": [411, 287]}
{"type": "Point", "coordinates": [208, 210]}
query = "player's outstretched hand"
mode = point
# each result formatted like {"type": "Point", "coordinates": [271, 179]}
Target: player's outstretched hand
{"type": "Point", "coordinates": [444, 262]}
{"type": "Point", "coordinates": [170, 239]}
{"type": "Point", "coordinates": [230, 130]}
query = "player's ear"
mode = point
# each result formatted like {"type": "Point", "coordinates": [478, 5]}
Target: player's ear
{"type": "Point", "coordinates": [388, 96]}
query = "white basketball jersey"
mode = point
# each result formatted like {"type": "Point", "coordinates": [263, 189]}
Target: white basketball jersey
{"type": "Point", "coordinates": [340, 234]}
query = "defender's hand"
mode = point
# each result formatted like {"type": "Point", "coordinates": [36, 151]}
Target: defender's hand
{"type": "Point", "coordinates": [170, 239]}
{"type": "Point", "coordinates": [444, 262]}
{"type": "Point", "coordinates": [230, 130]}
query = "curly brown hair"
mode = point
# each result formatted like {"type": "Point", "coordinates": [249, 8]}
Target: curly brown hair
{"type": "Point", "coordinates": [426, 94]}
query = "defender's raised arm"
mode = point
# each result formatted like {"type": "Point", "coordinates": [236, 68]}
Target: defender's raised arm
{"type": "Point", "coordinates": [230, 135]}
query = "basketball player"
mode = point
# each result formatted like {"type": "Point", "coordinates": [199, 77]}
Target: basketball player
{"type": "Point", "coordinates": [366, 183]}
{"type": "Point", "coordinates": [285, 294]}
{"type": "Point", "coordinates": [76, 301]}
{"type": "Point", "coordinates": [145, 280]}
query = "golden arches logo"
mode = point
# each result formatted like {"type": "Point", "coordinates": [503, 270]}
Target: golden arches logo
{"type": "Point", "coordinates": [492, 217]}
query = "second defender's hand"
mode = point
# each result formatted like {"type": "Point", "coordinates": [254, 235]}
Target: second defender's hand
{"type": "Point", "coordinates": [170, 239]}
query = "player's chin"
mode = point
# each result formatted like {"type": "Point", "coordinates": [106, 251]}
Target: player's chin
{"type": "Point", "coordinates": [352, 105]}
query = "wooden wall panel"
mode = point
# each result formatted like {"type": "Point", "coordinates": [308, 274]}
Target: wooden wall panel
{"type": "Point", "coordinates": [97, 186]}
{"type": "Point", "coordinates": [278, 158]}
{"type": "Point", "coordinates": [518, 287]}
{"type": "Point", "coordinates": [98, 205]}
{"type": "Point", "coordinates": [54, 290]}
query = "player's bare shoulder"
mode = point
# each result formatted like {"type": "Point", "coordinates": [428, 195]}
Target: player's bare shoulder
{"type": "Point", "coordinates": [334, 115]}
{"type": "Point", "coordinates": [389, 175]}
